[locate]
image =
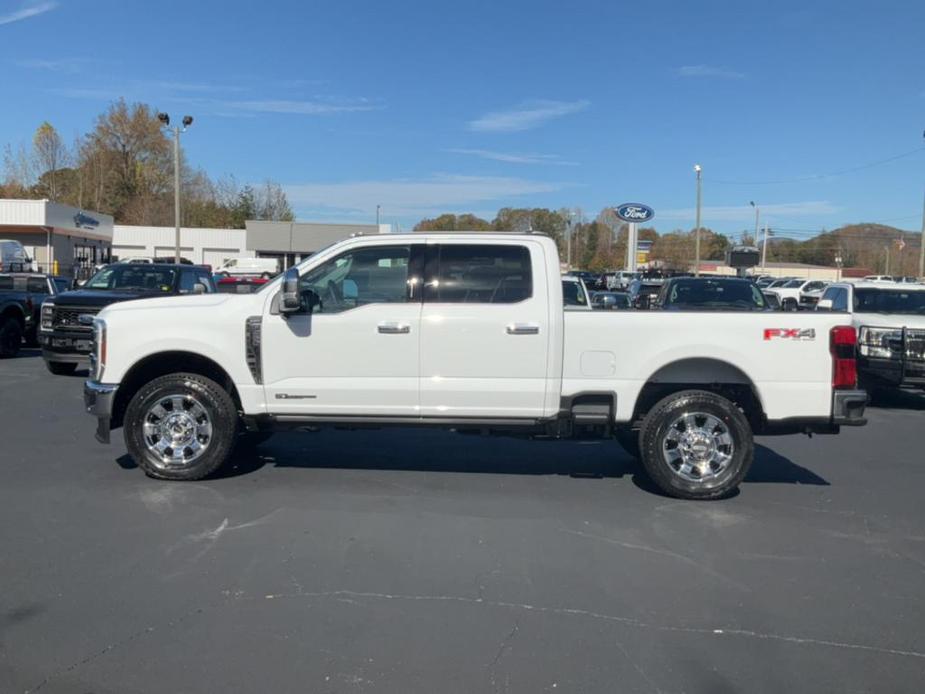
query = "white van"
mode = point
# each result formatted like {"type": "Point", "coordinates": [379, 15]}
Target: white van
{"type": "Point", "coordinates": [265, 267]}
{"type": "Point", "coordinates": [13, 257]}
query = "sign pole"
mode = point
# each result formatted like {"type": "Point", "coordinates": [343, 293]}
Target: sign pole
{"type": "Point", "coordinates": [631, 244]}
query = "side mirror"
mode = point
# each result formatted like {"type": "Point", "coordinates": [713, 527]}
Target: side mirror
{"type": "Point", "coordinates": [824, 305]}
{"type": "Point", "coordinates": [291, 299]}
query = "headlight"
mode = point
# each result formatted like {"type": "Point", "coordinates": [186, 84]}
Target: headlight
{"type": "Point", "coordinates": [98, 352]}
{"type": "Point", "coordinates": [48, 315]}
{"type": "Point", "coordinates": [880, 342]}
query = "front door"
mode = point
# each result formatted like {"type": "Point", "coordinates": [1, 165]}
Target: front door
{"type": "Point", "coordinates": [485, 330]}
{"type": "Point", "coordinates": [357, 352]}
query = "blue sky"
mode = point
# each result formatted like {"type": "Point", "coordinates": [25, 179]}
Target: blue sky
{"type": "Point", "coordinates": [425, 107]}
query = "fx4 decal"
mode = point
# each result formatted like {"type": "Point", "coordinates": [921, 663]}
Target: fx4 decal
{"type": "Point", "coordinates": [790, 333]}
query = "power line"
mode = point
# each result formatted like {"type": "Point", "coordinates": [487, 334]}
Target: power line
{"type": "Point", "coordinates": [819, 177]}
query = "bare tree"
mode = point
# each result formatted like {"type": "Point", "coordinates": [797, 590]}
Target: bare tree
{"type": "Point", "coordinates": [50, 155]}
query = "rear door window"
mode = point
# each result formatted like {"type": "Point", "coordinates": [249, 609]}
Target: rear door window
{"type": "Point", "coordinates": [479, 274]}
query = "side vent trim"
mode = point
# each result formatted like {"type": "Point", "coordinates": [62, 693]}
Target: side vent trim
{"type": "Point", "coordinates": [252, 329]}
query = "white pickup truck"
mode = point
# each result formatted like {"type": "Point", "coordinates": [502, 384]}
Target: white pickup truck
{"type": "Point", "coordinates": [465, 332]}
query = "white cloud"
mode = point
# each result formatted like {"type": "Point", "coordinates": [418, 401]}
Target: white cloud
{"type": "Point", "coordinates": [414, 197]}
{"type": "Point", "coordinates": [29, 9]}
{"type": "Point", "coordinates": [746, 213]}
{"type": "Point", "coordinates": [527, 115]}
{"type": "Point", "coordinates": [710, 71]}
{"type": "Point", "coordinates": [515, 158]}
{"type": "Point", "coordinates": [66, 65]}
{"type": "Point", "coordinates": [313, 107]}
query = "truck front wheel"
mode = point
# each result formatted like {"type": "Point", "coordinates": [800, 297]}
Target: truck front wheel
{"type": "Point", "coordinates": [180, 427]}
{"type": "Point", "coordinates": [696, 445]}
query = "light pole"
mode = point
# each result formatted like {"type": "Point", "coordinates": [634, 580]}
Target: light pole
{"type": "Point", "coordinates": [698, 169]}
{"type": "Point", "coordinates": [165, 121]}
{"type": "Point", "coordinates": [922, 242]}
{"type": "Point", "coordinates": [377, 217]}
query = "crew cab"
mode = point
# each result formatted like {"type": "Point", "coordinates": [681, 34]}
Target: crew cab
{"type": "Point", "coordinates": [65, 329]}
{"type": "Point", "coordinates": [890, 321]}
{"type": "Point", "coordinates": [466, 332]}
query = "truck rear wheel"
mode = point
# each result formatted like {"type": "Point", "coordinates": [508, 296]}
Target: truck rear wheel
{"type": "Point", "coordinates": [696, 445]}
{"type": "Point", "coordinates": [180, 427]}
{"type": "Point", "coordinates": [10, 337]}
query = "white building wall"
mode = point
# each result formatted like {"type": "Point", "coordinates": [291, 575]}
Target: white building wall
{"type": "Point", "coordinates": [207, 246]}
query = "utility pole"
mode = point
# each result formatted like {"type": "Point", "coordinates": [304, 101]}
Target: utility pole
{"type": "Point", "coordinates": [752, 203]}
{"type": "Point", "coordinates": [922, 246]}
{"type": "Point", "coordinates": [886, 270]}
{"type": "Point", "coordinates": [699, 170]}
{"type": "Point", "coordinates": [568, 242]}
{"type": "Point", "coordinates": [764, 248]}
{"type": "Point", "coordinates": [176, 193]}
{"type": "Point", "coordinates": [377, 218]}
{"type": "Point", "coordinates": [165, 121]}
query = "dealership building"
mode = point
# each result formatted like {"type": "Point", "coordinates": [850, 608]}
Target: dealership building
{"type": "Point", "coordinates": [72, 241]}
{"type": "Point", "coordinates": [288, 242]}
{"type": "Point", "coordinates": [55, 235]}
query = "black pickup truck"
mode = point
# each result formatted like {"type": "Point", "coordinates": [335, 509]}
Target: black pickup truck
{"type": "Point", "coordinates": [21, 297]}
{"type": "Point", "coordinates": [65, 329]}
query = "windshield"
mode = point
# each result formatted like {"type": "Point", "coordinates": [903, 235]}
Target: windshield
{"type": "Point", "coordinates": [793, 284]}
{"type": "Point", "coordinates": [715, 295]}
{"type": "Point", "coordinates": [139, 277]}
{"type": "Point", "coordinates": [889, 301]}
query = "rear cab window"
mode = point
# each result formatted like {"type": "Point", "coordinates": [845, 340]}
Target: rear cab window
{"type": "Point", "coordinates": [479, 274]}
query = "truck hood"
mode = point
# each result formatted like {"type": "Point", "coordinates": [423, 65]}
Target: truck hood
{"type": "Point", "coordinates": [200, 301]}
{"type": "Point", "coordinates": [889, 320]}
{"type": "Point", "coordinates": [97, 297]}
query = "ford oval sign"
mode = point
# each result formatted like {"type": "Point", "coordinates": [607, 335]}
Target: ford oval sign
{"type": "Point", "coordinates": [634, 212]}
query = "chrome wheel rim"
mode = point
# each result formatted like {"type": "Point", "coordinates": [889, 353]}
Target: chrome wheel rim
{"type": "Point", "coordinates": [698, 447]}
{"type": "Point", "coordinates": [177, 431]}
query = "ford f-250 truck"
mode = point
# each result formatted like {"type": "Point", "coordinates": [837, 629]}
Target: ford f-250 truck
{"type": "Point", "coordinates": [465, 332]}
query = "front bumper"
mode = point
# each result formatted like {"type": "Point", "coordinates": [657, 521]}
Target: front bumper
{"type": "Point", "coordinates": [66, 346]}
{"type": "Point", "coordinates": [98, 400]}
{"type": "Point", "coordinates": [893, 372]}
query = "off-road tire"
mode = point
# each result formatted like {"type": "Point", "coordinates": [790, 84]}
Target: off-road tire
{"type": "Point", "coordinates": [655, 427]}
{"type": "Point", "coordinates": [214, 399]}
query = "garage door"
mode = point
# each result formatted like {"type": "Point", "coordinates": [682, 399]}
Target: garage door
{"type": "Point", "coordinates": [216, 256]}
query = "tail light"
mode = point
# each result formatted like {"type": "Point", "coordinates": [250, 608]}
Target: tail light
{"type": "Point", "coordinates": [843, 342]}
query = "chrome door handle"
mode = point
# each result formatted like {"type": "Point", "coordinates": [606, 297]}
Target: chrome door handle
{"type": "Point", "coordinates": [523, 329]}
{"type": "Point", "coordinates": [394, 328]}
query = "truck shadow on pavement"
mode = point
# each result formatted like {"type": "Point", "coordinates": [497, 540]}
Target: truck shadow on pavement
{"type": "Point", "coordinates": [431, 451]}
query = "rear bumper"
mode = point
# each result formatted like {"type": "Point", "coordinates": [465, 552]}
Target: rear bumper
{"type": "Point", "coordinates": [848, 408]}
{"type": "Point", "coordinates": [98, 401]}
{"type": "Point", "coordinates": [847, 411]}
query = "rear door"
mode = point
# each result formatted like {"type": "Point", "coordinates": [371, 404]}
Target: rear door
{"type": "Point", "coordinates": [484, 330]}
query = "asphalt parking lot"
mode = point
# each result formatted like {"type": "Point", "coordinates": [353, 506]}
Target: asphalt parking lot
{"type": "Point", "coordinates": [424, 561]}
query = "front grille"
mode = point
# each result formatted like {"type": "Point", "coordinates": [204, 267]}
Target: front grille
{"type": "Point", "coordinates": [915, 345]}
{"type": "Point", "coordinates": [69, 317]}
